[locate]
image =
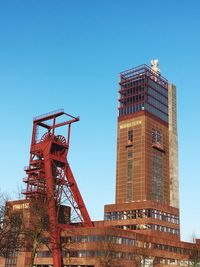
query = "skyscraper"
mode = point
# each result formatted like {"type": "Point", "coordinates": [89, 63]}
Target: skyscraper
{"type": "Point", "coordinates": [147, 153]}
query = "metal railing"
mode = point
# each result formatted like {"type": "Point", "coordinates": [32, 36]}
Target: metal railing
{"type": "Point", "coordinates": [48, 114]}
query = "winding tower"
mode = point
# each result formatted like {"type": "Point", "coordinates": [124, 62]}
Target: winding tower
{"type": "Point", "coordinates": [50, 178]}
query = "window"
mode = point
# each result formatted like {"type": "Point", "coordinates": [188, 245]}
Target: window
{"type": "Point", "coordinates": [130, 135]}
{"type": "Point", "coordinates": [156, 136]}
{"type": "Point", "coordinates": [129, 175]}
{"type": "Point", "coordinates": [11, 260]}
{"type": "Point", "coordinates": [157, 179]}
{"type": "Point", "coordinates": [130, 154]}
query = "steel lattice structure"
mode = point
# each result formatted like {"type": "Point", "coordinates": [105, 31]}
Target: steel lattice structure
{"type": "Point", "coordinates": [50, 177]}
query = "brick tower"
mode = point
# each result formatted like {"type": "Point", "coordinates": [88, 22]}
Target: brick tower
{"type": "Point", "coordinates": [147, 173]}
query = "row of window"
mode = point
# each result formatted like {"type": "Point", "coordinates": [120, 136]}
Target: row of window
{"type": "Point", "coordinates": [132, 99]}
{"type": "Point", "coordinates": [138, 75]}
{"type": "Point", "coordinates": [165, 229]}
{"type": "Point", "coordinates": [159, 88]}
{"type": "Point", "coordinates": [101, 238]}
{"type": "Point", "coordinates": [126, 241]}
{"type": "Point", "coordinates": [132, 91]}
{"type": "Point", "coordinates": [89, 254]}
{"type": "Point", "coordinates": [135, 92]}
{"type": "Point", "coordinates": [131, 109]}
{"type": "Point", "coordinates": [158, 113]}
{"type": "Point", "coordinates": [176, 250]}
{"type": "Point", "coordinates": [174, 262]}
{"type": "Point", "coordinates": [165, 216]}
{"type": "Point", "coordinates": [129, 89]}
{"type": "Point", "coordinates": [143, 213]}
{"type": "Point", "coordinates": [11, 260]}
{"type": "Point", "coordinates": [113, 254]}
{"type": "Point", "coordinates": [132, 83]}
{"type": "Point", "coordinates": [155, 227]}
{"type": "Point", "coordinates": [157, 104]}
{"type": "Point", "coordinates": [156, 136]}
{"type": "Point", "coordinates": [143, 106]}
{"type": "Point", "coordinates": [159, 95]}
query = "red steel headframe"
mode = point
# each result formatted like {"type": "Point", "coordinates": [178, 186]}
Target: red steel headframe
{"type": "Point", "coordinates": [49, 176]}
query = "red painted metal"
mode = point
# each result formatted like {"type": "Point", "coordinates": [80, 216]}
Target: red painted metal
{"type": "Point", "coordinates": [49, 176]}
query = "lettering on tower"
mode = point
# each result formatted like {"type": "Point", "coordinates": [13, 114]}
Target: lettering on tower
{"type": "Point", "coordinates": [129, 124]}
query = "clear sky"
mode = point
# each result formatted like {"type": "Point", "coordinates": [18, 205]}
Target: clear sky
{"type": "Point", "coordinates": [67, 54]}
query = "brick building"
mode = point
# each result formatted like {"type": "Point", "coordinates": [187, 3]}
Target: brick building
{"type": "Point", "coordinates": [142, 227]}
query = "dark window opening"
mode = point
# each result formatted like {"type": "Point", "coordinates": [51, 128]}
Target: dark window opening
{"type": "Point", "coordinates": [157, 178]}
{"type": "Point", "coordinates": [156, 136]}
{"type": "Point", "coordinates": [130, 135]}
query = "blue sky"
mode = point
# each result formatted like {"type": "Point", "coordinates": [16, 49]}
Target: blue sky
{"type": "Point", "coordinates": [68, 54]}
